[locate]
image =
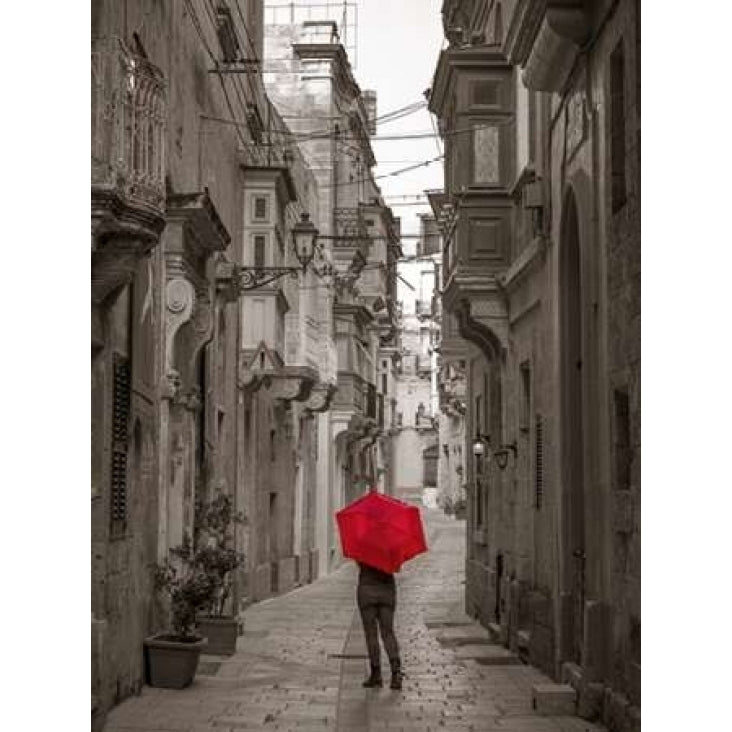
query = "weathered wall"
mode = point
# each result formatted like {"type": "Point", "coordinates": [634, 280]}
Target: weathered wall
{"type": "Point", "coordinates": [199, 153]}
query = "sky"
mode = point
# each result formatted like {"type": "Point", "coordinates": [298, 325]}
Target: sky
{"type": "Point", "coordinates": [398, 45]}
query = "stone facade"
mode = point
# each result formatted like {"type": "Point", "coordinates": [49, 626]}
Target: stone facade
{"type": "Point", "coordinates": [205, 377]}
{"type": "Point", "coordinates": [310, 81]}
{"type": "Point", "coordinates": [540, 216]}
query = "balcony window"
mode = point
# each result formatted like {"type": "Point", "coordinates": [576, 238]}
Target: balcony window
{"type": "Point", "coordinates": [260, 208]}
{"type": "Point", "coordinates": [486, 170]}
{"type": "Point", "coordinates": [260, 243]}
{"type": "Point", "coordinates": [128, 122]}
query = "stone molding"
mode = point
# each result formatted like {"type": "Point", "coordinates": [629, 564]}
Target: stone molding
{"type": "Point", "coordinates": [205, 231]}
{"type": "Point", "coordinates": [123, 232]}
{"type": "Point", "coordinates": [264, 369]}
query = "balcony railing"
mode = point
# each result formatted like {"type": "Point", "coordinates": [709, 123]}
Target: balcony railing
{"type": "Point", "coordinates": [128, 123]}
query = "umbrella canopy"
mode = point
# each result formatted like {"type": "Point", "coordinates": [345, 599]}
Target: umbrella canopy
{"type": "Point", "coordinates": [381, 531]}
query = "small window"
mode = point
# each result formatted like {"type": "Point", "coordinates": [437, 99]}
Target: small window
{"type": "Point", "coordinates": [622, 439]}
{"type": "Point", "coordinates": [260, 208]}
{"type": "Point", "coordinates": [260, 242]}
{"type": "Point", "coordinates": [617, 127]}
{"type": "Point", "coordinates": [525, 406]}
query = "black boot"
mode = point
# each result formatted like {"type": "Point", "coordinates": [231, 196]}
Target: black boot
{"type": "Point", "coordinates": [396, 676]}
{"type": "Point", "coordinates": [375, 678]}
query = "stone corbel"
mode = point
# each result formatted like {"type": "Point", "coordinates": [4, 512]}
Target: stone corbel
{"type": "Point", "coordinates": [491, 339]}
{"type": "Point", "coordinates": [291, 383]}
{"type": "Point", "coordinates": [199, 332]}
{"type": "Point", "coordinates": [179, 299]}
{"type": "Point", "coordinates": [227, 287]}
{"type": "Point", "coordinates": [561, 33]}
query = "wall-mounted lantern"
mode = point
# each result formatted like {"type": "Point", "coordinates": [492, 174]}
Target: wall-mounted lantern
{"type": "Point", "coordinates": [501, 455]}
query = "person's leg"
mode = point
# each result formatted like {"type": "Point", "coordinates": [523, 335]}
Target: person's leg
{"type": "Point", "coordinates": [369, 614]}
{"type": "Point", "coordinates": [386, 626]}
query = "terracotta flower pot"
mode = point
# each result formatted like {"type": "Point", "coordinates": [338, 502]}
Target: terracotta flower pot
{"type": "Point", "coordinates": [172, 662]}
{"type": "Point", "coordinates": [221, 633]}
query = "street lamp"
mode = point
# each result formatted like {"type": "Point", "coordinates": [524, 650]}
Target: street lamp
{"type": "Point", "coordinates": [304, 240]}
{"type": "Point", "coordinates": [304, 243]}
{"type": "Point", "coordinates": [480, 443]}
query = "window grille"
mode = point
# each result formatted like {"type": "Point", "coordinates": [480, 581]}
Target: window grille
{"type": "Point", "coordinates": [539, 462]}
{"type": "Point", "coordinates": [120, 428]}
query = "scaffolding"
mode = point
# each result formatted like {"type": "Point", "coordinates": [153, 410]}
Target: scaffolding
{"type": "Point", "coordinates": [343, 13]}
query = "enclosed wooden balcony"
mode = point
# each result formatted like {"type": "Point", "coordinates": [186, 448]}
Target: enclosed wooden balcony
{"type": "Point", "coordinates": [128, 124]}
{"type": "Point", "coordinates": [127, 163]}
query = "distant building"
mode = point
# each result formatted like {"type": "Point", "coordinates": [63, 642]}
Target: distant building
{"type": "Point", "coordinates": [311, 83]}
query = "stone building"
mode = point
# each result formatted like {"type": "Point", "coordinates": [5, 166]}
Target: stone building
{"type": "Point", "coordinates": [539, 107]}
{"type": "Point", "coordinates": [311, 83]}
{"type": "Point", "coordinates": [416, 435]}
{"type": "Point", "coordinates": [212, 348]}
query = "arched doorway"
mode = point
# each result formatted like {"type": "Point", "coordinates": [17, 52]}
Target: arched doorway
{"type": "Point", "coordinates": [572, 435]}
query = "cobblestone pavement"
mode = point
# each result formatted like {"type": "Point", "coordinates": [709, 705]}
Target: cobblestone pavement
{"type": "Point", "coordinates": [301, 661]}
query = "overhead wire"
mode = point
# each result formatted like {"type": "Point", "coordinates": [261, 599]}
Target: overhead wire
{"type": "Point", "coordinates": [195, 20]}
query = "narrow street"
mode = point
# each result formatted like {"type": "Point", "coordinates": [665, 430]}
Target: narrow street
{"type": "Point", "coordinates": [301, 660]}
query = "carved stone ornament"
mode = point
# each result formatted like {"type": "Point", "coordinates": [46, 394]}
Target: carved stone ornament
{"type": "Point", "coordinates": [179, 297]}
{"type": "Point", "coordinates": [170, 386]}
{"type": "Point", "coordinates": [321, 397]}
{"type": "Point", "coordinates": [292, 383]}
{"type": "Point", "coordinates": [247, 380]}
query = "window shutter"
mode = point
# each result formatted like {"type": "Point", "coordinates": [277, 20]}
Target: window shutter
{"type": "Point", "coordinates": [120, 427]}
{"type": "Point", "coordinates": [539, 462]}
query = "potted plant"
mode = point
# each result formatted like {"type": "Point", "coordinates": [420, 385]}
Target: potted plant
{"type": "Point", "coordinates": [217, 556]}
{"type": "Point", "coordinates": [196, 577]}
{"type": "Point", "coordinates": [172, 658]}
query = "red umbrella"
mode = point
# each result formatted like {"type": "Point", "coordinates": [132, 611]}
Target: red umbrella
{"type": "Point", "coordinates": [381, 531]}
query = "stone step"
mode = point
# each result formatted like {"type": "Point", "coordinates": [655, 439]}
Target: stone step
{"type": "Point", "coordinates": [554, 699]}
{"type": "Point", "coordinates": [488, 655]}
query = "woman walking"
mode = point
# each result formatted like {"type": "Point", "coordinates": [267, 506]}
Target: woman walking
{"type": "Point", "coordinates": [376, 599]}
